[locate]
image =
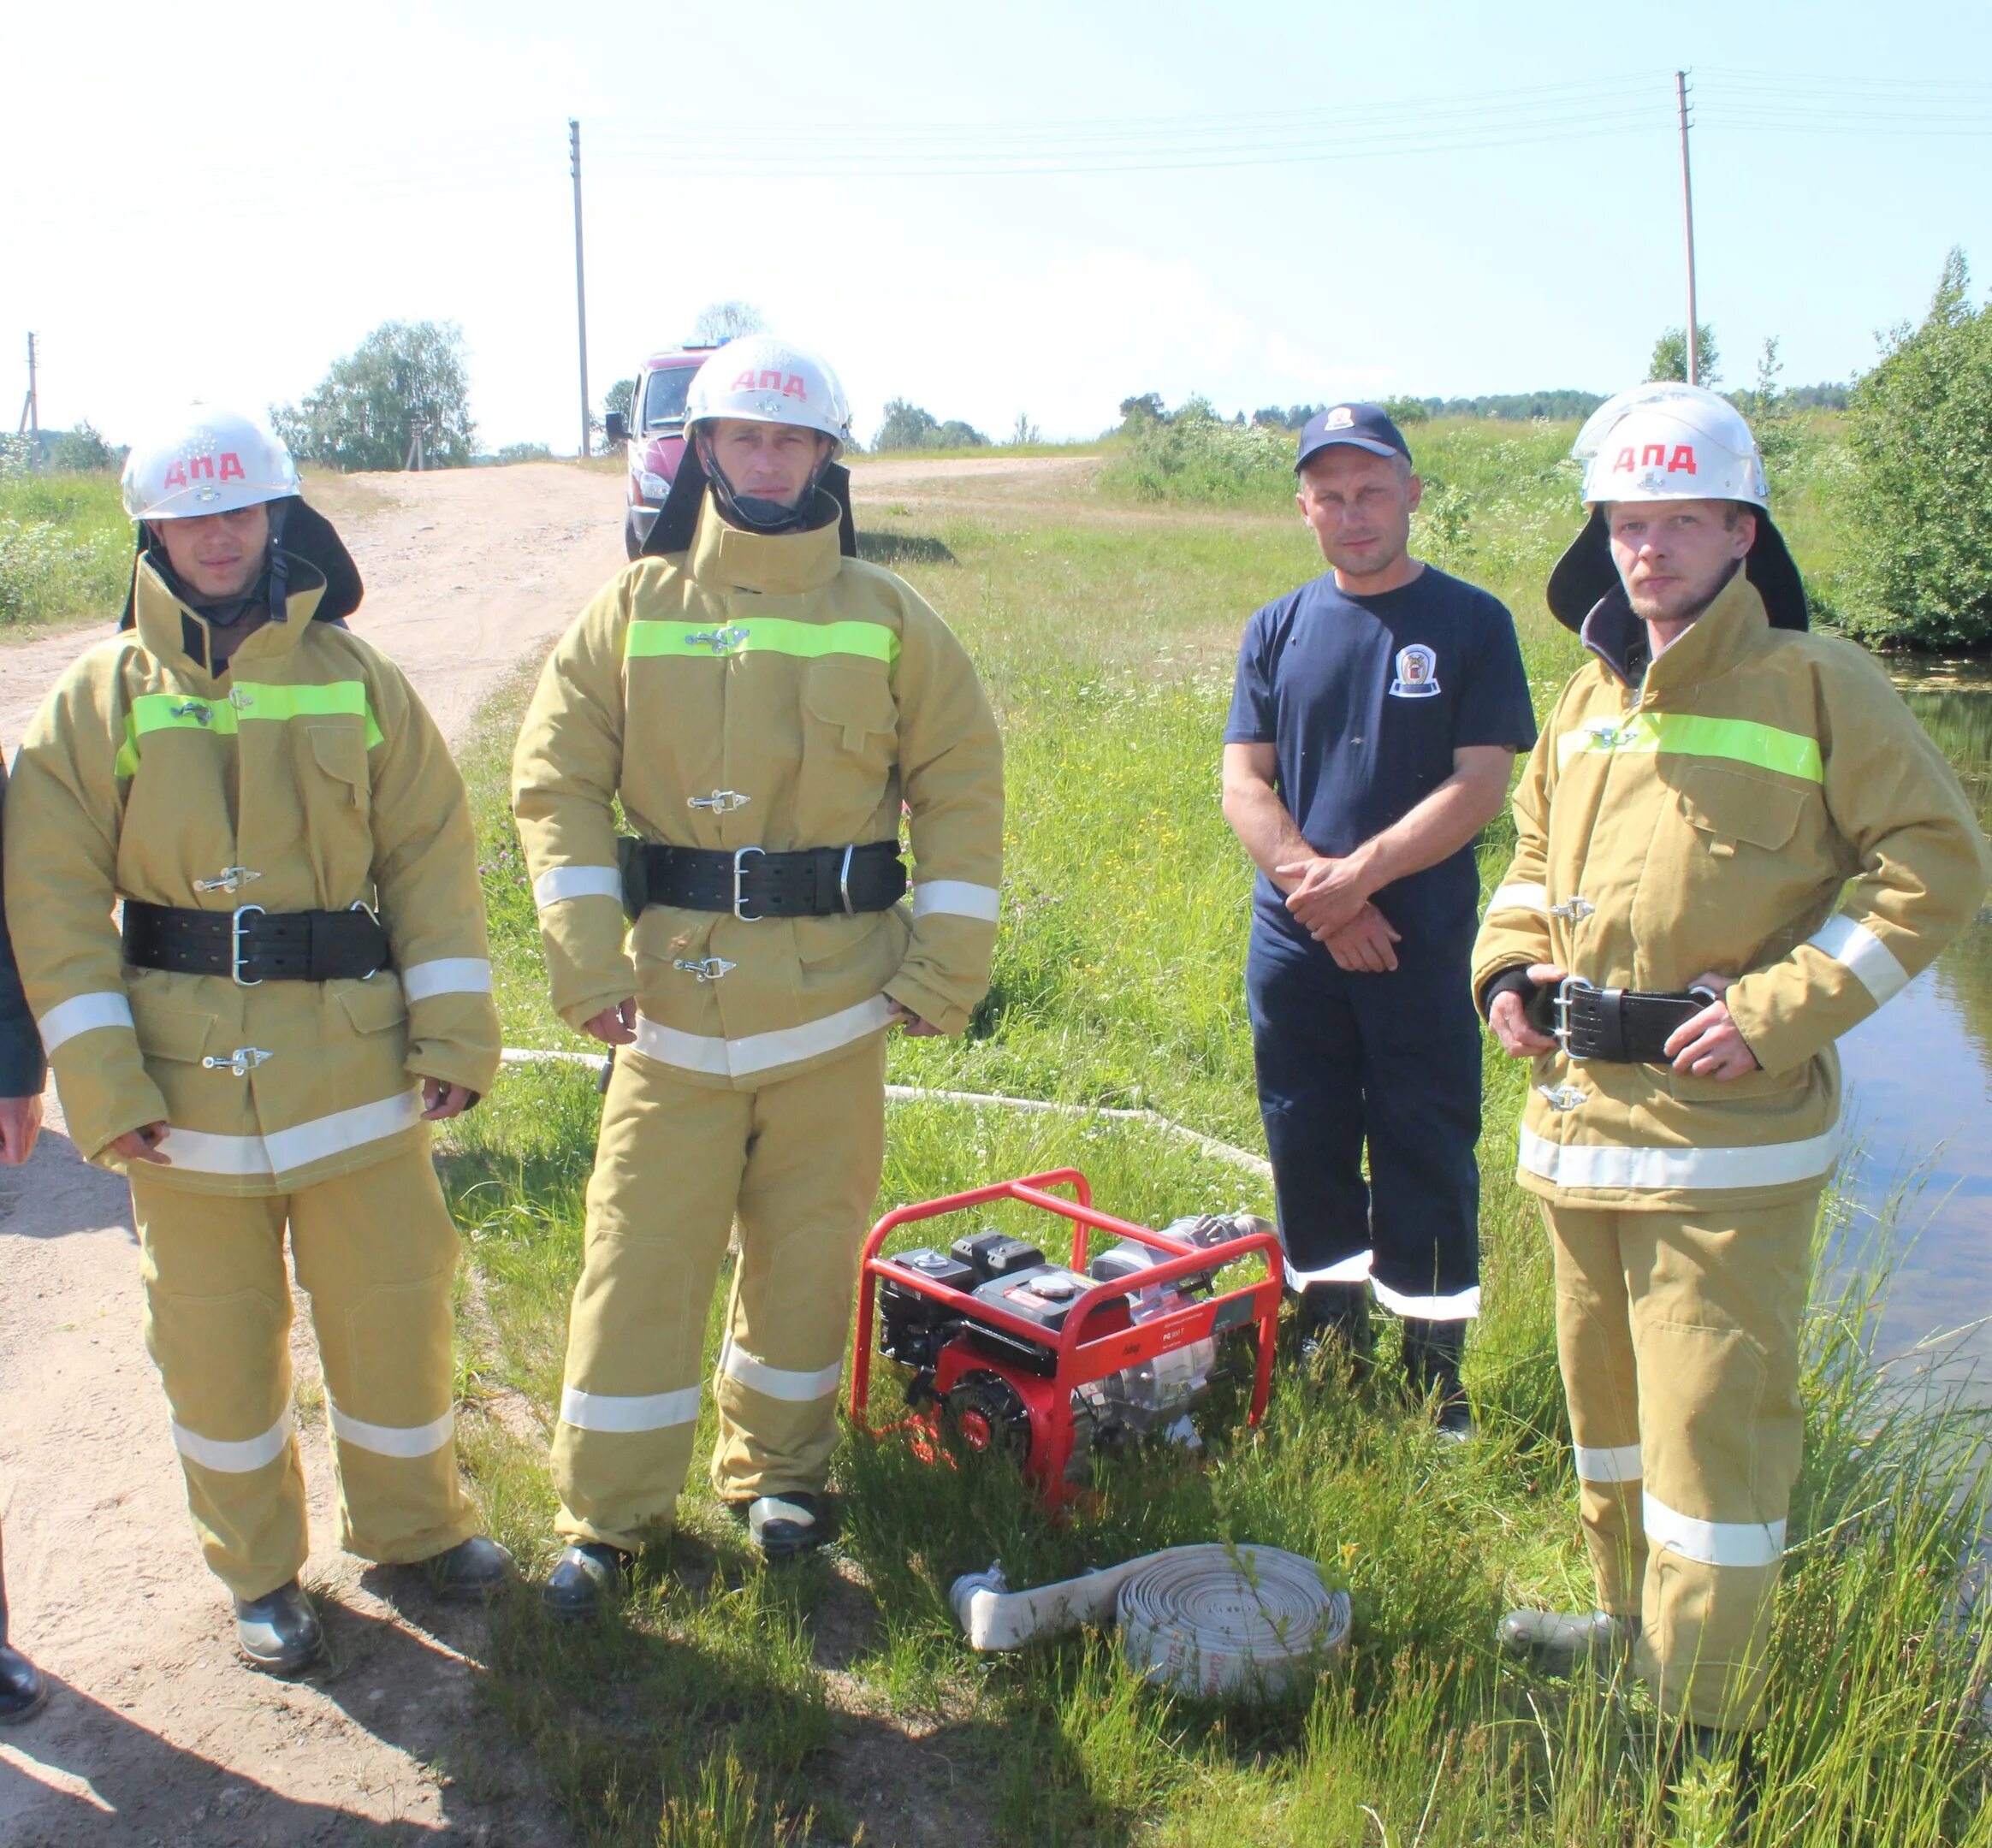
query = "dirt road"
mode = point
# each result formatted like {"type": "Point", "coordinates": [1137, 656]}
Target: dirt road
{"type": "Point", "coordinates": [153, 1734]}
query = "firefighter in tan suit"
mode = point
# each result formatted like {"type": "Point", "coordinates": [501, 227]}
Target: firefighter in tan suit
{"type": "Point", "coordinates": [1672, 947]}
{"type": "Point", "coordinates": [762, 705]}
{"type": "Point", "coordinates": [298, 987]}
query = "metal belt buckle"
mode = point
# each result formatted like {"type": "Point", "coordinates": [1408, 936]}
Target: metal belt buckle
{"type": "Point", "coordinates": [844, 881]}
{"type": "Point", "coordinates": [1570, 984]}
{"type": "Point", "coordinates": [236, 927]}
{"type": "Point", "coordinates": [739, 878]}
{"type": "Point", "coordinates": [360, 904]}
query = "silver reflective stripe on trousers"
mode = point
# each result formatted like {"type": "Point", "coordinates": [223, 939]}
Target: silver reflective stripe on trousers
{"type": "Point", "coordinates": [1580, 1164]}
{"type": "Point", "coordinates": [1461, 1306]}
{"type": "Point", "coordinates": [394, 1439]}
{"type": "Point", "coordinates": [1714, 1542]}
{"type": "Point", "coordinates": [236, 1459]}
{"type": "Point", "coordinates": [559, 883]}
{"type": "Point", "coordinates": [82, 1014]}
{"type": "Point", "coordinates": [1619, 1464]}
{"type": "Point", "coordinates": [1356, 1270]}
{"type": "Point", "coordinates": [1854, 946]}
{"type": "Point", "coordinates": [612, 1412]}
{"type": "Point", "coordinates": [779, 1382]}
{"type": "Point", "coordinates": [461, 974]}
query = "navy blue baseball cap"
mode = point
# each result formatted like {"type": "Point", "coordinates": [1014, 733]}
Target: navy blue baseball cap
{"type": "Point", "coordinates": [1363, 426]}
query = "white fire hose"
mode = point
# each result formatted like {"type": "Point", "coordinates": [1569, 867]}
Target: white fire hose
{"type": "Point", "coordinates": [1206, 1619]}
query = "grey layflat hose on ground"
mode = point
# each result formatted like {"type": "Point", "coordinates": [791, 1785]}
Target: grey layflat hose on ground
{"type": "Point", "coordinates": [1203, 1619]}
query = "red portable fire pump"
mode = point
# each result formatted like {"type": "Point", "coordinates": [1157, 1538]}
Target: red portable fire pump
{"type": "Point", "coordinates": [1045, 1360]}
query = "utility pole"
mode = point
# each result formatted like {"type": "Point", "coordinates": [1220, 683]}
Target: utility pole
{"type": "Point", "coordinates": [30, 424]}
{"type": "Point", "coordinates": [1686, 206]}
{"type": "Point", "coordinates": [580, 284]}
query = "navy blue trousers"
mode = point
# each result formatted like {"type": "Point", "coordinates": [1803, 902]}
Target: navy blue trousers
{"type": "Point", "coordinates": [1391, 1062]}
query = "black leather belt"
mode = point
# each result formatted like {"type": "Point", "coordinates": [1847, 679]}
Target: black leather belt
{"type": "Point", "coordinates": [250, 944]}
{"type": "Point", "coordinates": [1621, 1026]}
{"type": "Point", "coordinates": [814, 882]}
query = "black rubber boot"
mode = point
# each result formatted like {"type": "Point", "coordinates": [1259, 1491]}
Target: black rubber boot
{"type": "Point", "coordinates": [279, 1633]}
{"type": "Point", "coordinates": [472, 1572]}
{"type": "Point", "coordinates": [1334, 1323]}
{"type": "Point", "coordinates": [1432, 1370]}
{"type": "Point", "coordinates": [584, 1578]}
{"type": "Point", "coordinates": [21, 1687]}
{"type": "Point", "coordinates": [787, 1524]}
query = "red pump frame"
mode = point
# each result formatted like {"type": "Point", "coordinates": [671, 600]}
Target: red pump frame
{"type": "Point", "coordinates": [1078, 1362]}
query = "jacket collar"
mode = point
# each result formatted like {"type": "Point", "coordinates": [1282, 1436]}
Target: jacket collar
{"type": "Point", "coordinates": [724, 557]}
{"type": "Point", "coordinates": [173, 630]}
{"type": "Point", "coordinates": [1715, 641]}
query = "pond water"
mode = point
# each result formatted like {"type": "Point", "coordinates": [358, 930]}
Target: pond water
{"type": "Point", "coordinates": [1919, 1100]}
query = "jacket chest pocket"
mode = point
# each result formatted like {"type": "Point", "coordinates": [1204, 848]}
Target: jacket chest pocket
{"type": "Point", "coordinates": [335, 767]}
{"type": "Point", "coordinates": [1729, 809]}
{"type": "Point", "coordinates": [850, 735]}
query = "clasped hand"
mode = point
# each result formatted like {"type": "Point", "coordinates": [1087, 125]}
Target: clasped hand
{"type": "Point", "coordinates": [1706, 1045]}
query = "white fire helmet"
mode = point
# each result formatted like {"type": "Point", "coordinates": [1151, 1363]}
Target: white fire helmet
{"type": "Point", "coordinates": [1668, 442]}
{"type": "Point", "coordinates": [206, 460]}
{"type": "Point", "coordinates": [765, 380]}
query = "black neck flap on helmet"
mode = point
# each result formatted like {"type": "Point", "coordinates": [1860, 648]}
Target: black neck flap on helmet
{"type": "Point", "coordinates": [828, 500]}
{"type": "Point", "coordinates": [1585, 575]}
{"type": "Point", "coordinates": [297, 532]}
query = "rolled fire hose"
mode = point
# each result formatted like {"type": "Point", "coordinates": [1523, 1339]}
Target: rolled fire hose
{"type": "Point", "coordinates": [1204, 1620]}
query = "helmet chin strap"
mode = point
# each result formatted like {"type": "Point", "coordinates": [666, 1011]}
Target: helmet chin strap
{"type": "Point", "coordinates": [756, 513]}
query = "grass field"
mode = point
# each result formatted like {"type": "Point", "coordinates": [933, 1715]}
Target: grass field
{"type": "Point", "coordinates": [833, 1703]}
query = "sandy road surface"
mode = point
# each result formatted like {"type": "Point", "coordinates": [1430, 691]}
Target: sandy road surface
{"type": "Point", "coordinates": [153, 1734]}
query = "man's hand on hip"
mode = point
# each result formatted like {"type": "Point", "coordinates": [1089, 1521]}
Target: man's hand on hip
{"type": "Point", "coordinates": [440, 1101]}
{"type": "Point", "coordinates": [915, 1028]}
{"type": "Point", "coordinates": [1323, 894]}
{"type": "Point", "coordinates": [1508, 1015]}
{"type": "Point", "coordinates": [142, 1144]}
{"type": "Point", "coordinates": [1709, 1045]}
{"type": "Point", "coordinates": [1364, 946]}
{"type": "Point", "coordinates": [613, 1026]}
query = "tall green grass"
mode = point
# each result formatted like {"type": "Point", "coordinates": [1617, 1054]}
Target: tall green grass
{"type": "Point", "coordinates": [65, 546]}
{"type": "Point", "coordinates": [833, 1702]}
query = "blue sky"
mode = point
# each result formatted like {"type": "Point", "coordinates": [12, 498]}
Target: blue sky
{"type": "Point", "coordinates": [988, 210]}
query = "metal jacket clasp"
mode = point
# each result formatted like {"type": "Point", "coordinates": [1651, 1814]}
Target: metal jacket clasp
{"type": "Point", "coordinates": [1560, 1098]}
{"type": "Point", "coordinates": [232, 879]}
{"type": "Point", "coordinates": [240, 1063]}
{"type": "Point", "coordinates": [197, 710]}
{"type": "Point", "coordinates": [1573, 910]}
{"type": "Point", "coordinates": [720, 801]}
{"type": "Point", "coordinates": [726, 641]}
{"type": "Point", "coordinates": [707, 969]}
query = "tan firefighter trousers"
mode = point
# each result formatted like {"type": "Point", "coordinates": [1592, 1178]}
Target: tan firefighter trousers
{"type": "Point", "coordinates": [1679, 1338]}
{"type": "Point", "coordinates": [797, 1163]}
{"type": "Point", "coordinates": [376, 1251]}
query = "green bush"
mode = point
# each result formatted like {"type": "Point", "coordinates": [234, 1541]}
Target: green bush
{"type": "Point", "coordinates": [1195, 455]}
{"type": "Point", "coordinates": [1920, 499]}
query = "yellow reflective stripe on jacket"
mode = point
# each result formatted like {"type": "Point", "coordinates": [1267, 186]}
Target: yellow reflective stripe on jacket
{"type": "Point", "coordinates": [169, 712]}
{"type": "Point", "coordinates": [1693, 735]}
{"type": "Point", "coordinates": [765, 635]}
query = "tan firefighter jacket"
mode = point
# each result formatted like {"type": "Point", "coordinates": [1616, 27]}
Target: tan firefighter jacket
{"type": "Point", "coordinates": [760, 692]}
{"type": "Point", "coordinates": [308, 776]}
{"type": "Point", "coordinates": [1707, 820]}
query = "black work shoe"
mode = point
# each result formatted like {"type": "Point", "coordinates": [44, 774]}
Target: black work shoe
{"type": "Point", "coordinates": [787, 1524]}
{"type": "Point", "coordinates": [1560, 1642]}
{"type": "Point", "coordinates": [21, 1687]}
{"type": "Point", "coordinates": [1333, 1324]}
{"type": "Point", "coordinates": [585, 1578]}
{"type": "Point", "coordinates": [1432, 1351]}
{"type": "Point", "coordinates": [279, 1633]}
{"type": "Point", "coordinates": [472, 1572]}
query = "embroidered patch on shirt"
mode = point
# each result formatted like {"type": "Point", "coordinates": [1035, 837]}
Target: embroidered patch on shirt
{"type": "Point", "coordinates": [1417, 672]}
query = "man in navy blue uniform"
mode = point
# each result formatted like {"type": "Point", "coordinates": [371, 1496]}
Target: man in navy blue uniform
{"type": "Point", "coordinates": [1373, 727]}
